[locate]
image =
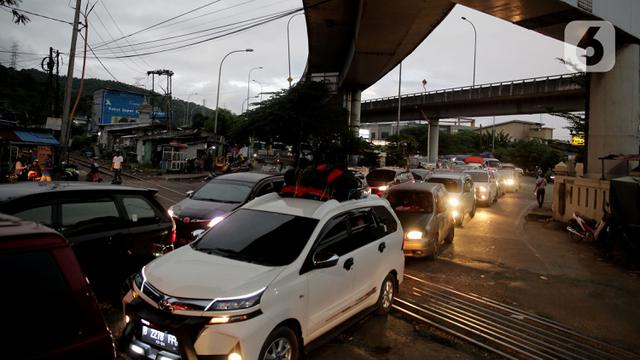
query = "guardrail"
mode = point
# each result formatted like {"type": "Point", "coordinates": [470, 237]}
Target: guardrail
{"type": "Point", "coordinates": [572, 81]}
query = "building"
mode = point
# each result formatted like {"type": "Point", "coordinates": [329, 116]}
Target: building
{"type": "Point", "coordinates": [520, 130]}
{"type": "Point", "coordinates": [379, 132]}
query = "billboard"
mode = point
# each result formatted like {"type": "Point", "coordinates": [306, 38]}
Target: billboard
{"type": "Point", "coordinates": [116, 105]}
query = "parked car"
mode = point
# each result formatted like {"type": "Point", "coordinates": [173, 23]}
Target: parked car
{"type": "Point", "coordinates": [274, 275]}
{"type": "Point", "coordinates": [380, 180]}
{"type": "Point", "coordinates": [113, 229]}
{"type": "Point", "coordinates": [486, 186]}
{"type": "Point", "coordinates": [462, 200]}
{"type": "Point", "coordinates": [61, 318]}
{"type": "Point", "coordinates": [423, 212]}
{"type": "Point", "coordinates": [217, 198]}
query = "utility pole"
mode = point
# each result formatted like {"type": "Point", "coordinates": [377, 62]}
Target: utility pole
{"type": "Point", "coordinates": [66, 121]}
{"type": "Point", "coordinates": [56, 111]}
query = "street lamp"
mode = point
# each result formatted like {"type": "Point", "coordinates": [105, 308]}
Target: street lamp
{"type": "Point", "coordinates": [259, 83]}
{"type": "Point", "coordinates": [475, 42]}
{"type": "Point", "coordinates": [289, 48]}
{"type": "Point", "coordinates": [249, 82]}
{"type": "Point", "coordinates": [245, 101]}
{"type": "Point", "coordinates": [215, 121]}
{"type": "Point", "coordinates": [187, 112]}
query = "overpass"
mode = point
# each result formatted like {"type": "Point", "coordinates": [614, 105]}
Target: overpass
{"type": "Point", "coordinates": [357, 42]}
{"type": "Point", "coordinates": [561, 93]}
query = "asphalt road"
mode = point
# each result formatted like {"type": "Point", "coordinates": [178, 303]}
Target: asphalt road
{"type": "Point", "coordinates": [498, 254]}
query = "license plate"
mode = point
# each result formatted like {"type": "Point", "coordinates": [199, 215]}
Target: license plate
{"type": "Point", "coordinates": [159, 338]}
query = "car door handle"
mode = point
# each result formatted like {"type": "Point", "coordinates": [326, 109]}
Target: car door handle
{"type": "Point", "coordinates": [381, 247]}
{"type": "Point", "coordinates": [348, 264]}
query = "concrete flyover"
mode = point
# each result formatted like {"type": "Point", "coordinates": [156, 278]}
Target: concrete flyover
{"type": "Point", "coordinates": [562, 93]}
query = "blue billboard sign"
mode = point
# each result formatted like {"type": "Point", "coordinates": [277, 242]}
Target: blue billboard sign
{"type": "Point", "coordinates": [117, 105]}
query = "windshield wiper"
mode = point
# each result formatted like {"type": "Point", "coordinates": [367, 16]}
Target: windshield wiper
{"type": "Point", "coordinates": [232, 254]}
{"type": "Point", "coordinates": [216, 200]}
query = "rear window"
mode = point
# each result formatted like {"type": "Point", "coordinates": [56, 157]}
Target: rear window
{"type": "Point", "coordinates": [222, 191]}
{"type": "Point", "coordinates": [411, 201]}
{"type": "Point", "coordinates": [260, 237]}
{"type": "Point", "coordinates": [381, 175]}
{"type": "Point", "coordinates": [479, 176]}
{"type": "Point", "coordinates": [452, 185]}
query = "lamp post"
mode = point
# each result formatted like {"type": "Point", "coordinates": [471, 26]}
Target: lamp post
{"type": "Point", "coordinates": [187, 112]}
{"type": "Point", "coordinates": [259, 83]}
{"type": "Point", "coordinates": [475, 42]}
{"type": "Point", "coordinates": [215, 121]}
{"type": "Point", "coordinates": [249, 83]}
{"type": "Point", "coordinates": [289, 79]}
{"type": "Point", "coordinates": [245, 101]}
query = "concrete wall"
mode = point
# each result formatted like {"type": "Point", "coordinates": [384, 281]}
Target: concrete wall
{"type": "Point", "coordinates": [583, 195]}
{"type": "Point", "coordinates": [614, 113]}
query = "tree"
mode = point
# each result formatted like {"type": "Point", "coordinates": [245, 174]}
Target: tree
{"type": "Point", "coordinates": [18, 17]}
{"type": "Point", "coordinates": [306, 113]}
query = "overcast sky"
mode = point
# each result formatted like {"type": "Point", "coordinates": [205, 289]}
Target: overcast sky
{"type": "Point", "coordinates": [444, 59]}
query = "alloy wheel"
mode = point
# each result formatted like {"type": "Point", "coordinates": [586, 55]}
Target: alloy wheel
{"type": "Point", "coordinates": [280, 349]}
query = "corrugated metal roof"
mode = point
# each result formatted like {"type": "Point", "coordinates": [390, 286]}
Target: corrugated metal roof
{"type": "Point", "coordinates": [37, 138]}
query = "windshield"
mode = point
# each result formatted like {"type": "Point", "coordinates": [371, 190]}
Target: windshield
{"type": "Point", "coordinates": [381, 175]}
{"type": "Point", "coordinates": [221, 191]}
{"type": "Point", "coordinates": [479, 176]}
{"type": "Point", "coordinates": [259, 237]}
{"type": "Point", "coordinates": [492, 163]}
{"type": "Point", "coordinates": [411, 201]}
{"type": "Point", "coordinates": [452, 185]}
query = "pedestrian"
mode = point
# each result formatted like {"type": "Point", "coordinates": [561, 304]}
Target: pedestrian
{"type": "Point", "coordinates": [47, 166]}
{"type": "Point", "coordinates": [116, 167]}
{"type": "Point", "coordinates": [541, 183]}
{"type": "Point", "coordinates": [20, 169]}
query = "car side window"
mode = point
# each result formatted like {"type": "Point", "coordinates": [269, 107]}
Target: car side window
{"type": "Point", "coordinates": [80, 218]}
{"type": "Point", "coordinates": [277, 185]}
{"type": "Point", "coordinates": [265, 189]}
{"type": "Point", "coordinates": [139, 210]}
{"type": "Point", "coordinates": [362, 226]}
{"type": "Point", "coordinates": [336, 238]}
{"type": "Point", "coordinates": [467, 185]}
{"type": "Point", "coordinates": [385, 220]}
{"type": "Point", "coordinates": [41, 215]}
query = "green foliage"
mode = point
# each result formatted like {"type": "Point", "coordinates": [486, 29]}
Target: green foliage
{"type": "Point", "coordinates": [306, 113]}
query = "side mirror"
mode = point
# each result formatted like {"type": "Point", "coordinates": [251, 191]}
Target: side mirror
{"type": "Point", "coordinates": [189, 193]}
{"type": "Point", "coordinates": [324, 259]}
{"type": "Point", "coordinates": [196, 234]}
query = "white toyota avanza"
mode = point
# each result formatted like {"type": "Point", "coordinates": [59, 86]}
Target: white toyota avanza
{"type": "Point", "coordinates": [266, 280]}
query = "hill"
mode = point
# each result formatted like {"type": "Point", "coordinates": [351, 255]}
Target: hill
{"type": "Point", "coordinates": [26, 96]}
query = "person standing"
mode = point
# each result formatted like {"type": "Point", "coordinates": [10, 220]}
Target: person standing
{"type": "Point", "coordinates": [116, 167]}
{"type": "Point", "coordinates": [20, 169]}
{"type": "Point", "coordinates": [541, 183]}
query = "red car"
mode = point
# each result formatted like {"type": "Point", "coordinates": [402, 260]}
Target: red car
{"type": "Point", "coordinates": [380, 180]}
{"type": "Point", "coordinates": [49, 310]}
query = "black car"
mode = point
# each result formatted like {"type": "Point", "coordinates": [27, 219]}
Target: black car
{"type": "Point", "coordinates": [380, 180]}
{"type": "Point", "coordinates": [219, 197]}
{"type": "Point", "coordinates": [113, 230]}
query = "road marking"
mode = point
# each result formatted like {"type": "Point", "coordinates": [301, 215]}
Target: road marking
{"type": "Point", "coordinates": [522, 237]}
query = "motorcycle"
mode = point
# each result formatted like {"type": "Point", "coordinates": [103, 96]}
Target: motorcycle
{"type": "Point", "coordinates": [67, 172]}
{"type": "Point", "coordinates": [582, 228]}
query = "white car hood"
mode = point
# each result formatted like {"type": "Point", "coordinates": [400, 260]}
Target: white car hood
{"type": "Point", "coordinates": [187, 273]}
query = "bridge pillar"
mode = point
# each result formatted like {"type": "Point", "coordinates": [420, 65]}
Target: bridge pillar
{"type": "Point", "coordinates": [434, 136]}
{"type": "Point", "coordinates": [353, 105]}
{"type": "Point", "coordinates": [614, 113]}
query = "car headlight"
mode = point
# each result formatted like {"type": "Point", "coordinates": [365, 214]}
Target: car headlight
{"type": "Point", "coordinates": [414, 235]}
{"type": "Point", "coordinates": [236, 303]}
{"type": "Point", "coordinates": [215, 220]}
{"type": "Point", "coordinates": [453, 201]}
{"type": "Point", "coordinates": [455, 214]}
{"type": "Point", "coordinates": [508, 181]}
{"type": "Point", "coordinates": [482, 188]}
{"type": "Point", "coordinates": [383, 188]}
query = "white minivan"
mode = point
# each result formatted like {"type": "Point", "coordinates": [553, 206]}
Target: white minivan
{"type": "Point", "coordinates": [266, 280]}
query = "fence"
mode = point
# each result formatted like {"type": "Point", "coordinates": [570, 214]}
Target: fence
{"type": "Point", "coordinates": [583, 195]}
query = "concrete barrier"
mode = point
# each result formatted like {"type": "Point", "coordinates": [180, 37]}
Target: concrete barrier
{"type": "Point", "coordinates": [586, 196]}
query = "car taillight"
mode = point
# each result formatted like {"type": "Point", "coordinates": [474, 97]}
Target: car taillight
{"type": "Point", "coordinates": [172, 236]}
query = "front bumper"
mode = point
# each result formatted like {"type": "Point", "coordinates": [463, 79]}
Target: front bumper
{"type": "Point", "coordinates": [197, 339]}
{"type": "Point", "coordinates": [418, 248]}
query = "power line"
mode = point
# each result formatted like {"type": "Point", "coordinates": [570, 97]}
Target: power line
{"type": "Point", "coordinates": [140, 69]}
{"type": "Point", "coordinates": [100, 61]}
{"type": "Point", "coordinates": [237, 30]}
{"type": "Point", "coordinates": [160, 23]}
{"type": "Point", "coordinates": [36, 14]}
{"type": "Point", "coordinates": [208, 32]}
{"type": "Point", "coordinates": [119, 29]}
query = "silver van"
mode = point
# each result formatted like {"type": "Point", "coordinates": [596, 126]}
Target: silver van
{"type": "Point", "coordinates": [462, 199]}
